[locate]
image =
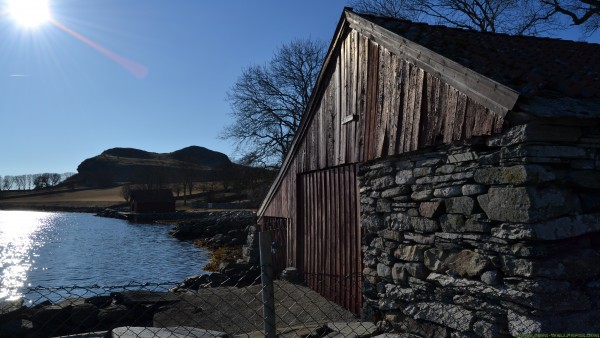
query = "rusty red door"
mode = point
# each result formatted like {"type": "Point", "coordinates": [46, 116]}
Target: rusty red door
{"type": "Point", "coordinates": [329, 234]}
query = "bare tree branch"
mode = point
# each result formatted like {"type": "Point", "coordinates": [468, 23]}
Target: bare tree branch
{"type": "Point", "coordinates": [268, 101]}
{"type": "Point", "coordinates": [518, 17]}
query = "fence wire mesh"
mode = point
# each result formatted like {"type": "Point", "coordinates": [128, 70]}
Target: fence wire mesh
{"type": "Point", "coordinates": [202, 306]}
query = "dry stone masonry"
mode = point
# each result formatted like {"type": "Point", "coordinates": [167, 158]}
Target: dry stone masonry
{"type": "Point", "coordinates": [496, 238]}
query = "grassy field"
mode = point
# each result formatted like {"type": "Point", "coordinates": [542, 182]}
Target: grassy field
{"type": "Point", "coordinates": [82, 198]}
{"type": "Point", "coordinates": [85, 198]}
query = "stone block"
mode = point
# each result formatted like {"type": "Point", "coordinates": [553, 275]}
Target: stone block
{"type": "Point", "coordinates": [370, 275]}
{"type": "Point", "coordinates": [399, 273]}
{"type": "Point", "coordinates": [452, 191]}
{"type": "Point", "coordinates": [452, 223]}
{"type": "Point", "coordinates": [522, 324]}
{"type": "Point", "coordinates": [384, 271]}
{"type": "Point", "coordinates": [403, 165]}
{"type": "Point", "coordinates": [405, 177]}
{"type": "Point", "coordinates": [556, 229]}
{"type": "Point", "coordinates": [567, 266]}
{"type": "Point", "coordinates": [429, 162]}
{"type": "Point", "coordinates": [384, 205]}
{"type": "Point", "coordinates": [411, 253]}
{"type": "Point", "coordinates": [463, 157]}
{"type": "Point", "coordinates": [422, 171]}
{"type": "Point", "coordinates": [477, 225]}
{"type": "Point", "coordinates": [460, 205]}
{"type": "Point", "coordinates": [473, 189]}
{"type": "Point", "coordinates": [396, 191]}
{"type": "Point", "coordinates": [420, 238]}
{"type": "Point", "coordinates": [417, 270]}
{"type": "Point", "coordinates": [491, 277]}
{"type": "Point", "coordinates": [435, 260]}
{"type": "Point", "coordinates": [391, 234]}
{"type": "Point", "coordinates": [431, 209]}
{"type": "Point", "coordinates": [526, 204]}
{"type": "Point", "coordinates": [469, 264]}
{"type": "Point", "coordinates": [543, 151]}
{"type": "Point", "coordinates": [382, 182]}
{"type": "Point", "coordinates": [422, 195]}
{"type": "Point", "coordinates": [400, 222]}
{"type": "Point", "coordinates": [424, 225]}
{"type": "Point", "coordinates": [452, 316]}
{"type": "Point", "coordinates": [445, 169]}
{"type": "Point", "coordinates": [514, 175]}
{"type": "Point", "coordinates": [535, 133]}
{"type": "Point", "coordinates": [372, 223]}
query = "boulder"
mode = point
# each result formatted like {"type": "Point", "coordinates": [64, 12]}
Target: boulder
{"type": "Point", "coordinates": [514, 175]}
{"type": "Point", "coordinates": [526, 204]}
{"type": "Point", "coordinates": [469, 264]}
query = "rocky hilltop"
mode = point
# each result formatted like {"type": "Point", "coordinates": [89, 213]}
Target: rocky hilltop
{"type": "Point", "coordinates": [119, 165]}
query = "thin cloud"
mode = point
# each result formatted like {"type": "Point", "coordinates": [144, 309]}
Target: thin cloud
{"type": "Point", "coordinates": [18, 75]}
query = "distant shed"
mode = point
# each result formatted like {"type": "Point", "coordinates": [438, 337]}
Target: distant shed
{"type": "Point", "coordinates": [160, 200]}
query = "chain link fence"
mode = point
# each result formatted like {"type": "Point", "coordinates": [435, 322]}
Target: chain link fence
{"type": "Point", "coordinates": [203, 306]}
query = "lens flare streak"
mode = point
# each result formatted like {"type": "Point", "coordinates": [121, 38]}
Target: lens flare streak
{"type": "Point", "coordinates": [138, 70]}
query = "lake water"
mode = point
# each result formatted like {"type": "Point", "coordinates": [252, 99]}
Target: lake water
{"type": "Point", "coordinates": [52, 249]}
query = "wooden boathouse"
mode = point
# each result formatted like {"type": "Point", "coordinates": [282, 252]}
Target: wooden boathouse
{"type": "Point", "coordinates": [387, 87]}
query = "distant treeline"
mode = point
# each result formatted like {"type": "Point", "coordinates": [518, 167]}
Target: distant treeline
{"type": "Point", "coordinates": [32, 181]}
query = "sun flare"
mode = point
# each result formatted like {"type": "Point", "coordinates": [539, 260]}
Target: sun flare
{"type": "Point", "coordinates": [29, 13]}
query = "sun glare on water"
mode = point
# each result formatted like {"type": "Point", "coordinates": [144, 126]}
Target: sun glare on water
{"type": "Point", "coordinates": [29, 13]}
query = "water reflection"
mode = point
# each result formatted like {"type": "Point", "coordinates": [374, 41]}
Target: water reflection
{"type": "Point", "coordinates": [18, 241]}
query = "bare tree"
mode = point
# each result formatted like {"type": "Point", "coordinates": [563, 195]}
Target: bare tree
{"type": "Point", "coordinates": [7, 182]}
{"type": "Point", "coordinates": [54, 179]}
{"type": "Point", "coordinates": [20, 182]}
{"type": "Point", "coordinates": [268, 101]}
{"type": "Point", "coordinates": [584, 13]}
{"type": "Point", "coordinates": [41, 181]}
{"type": "Point", "coordinates": [532, 17]}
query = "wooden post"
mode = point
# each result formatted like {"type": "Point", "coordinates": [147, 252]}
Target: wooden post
{"type": "Point", "coordinates": [268, 294]}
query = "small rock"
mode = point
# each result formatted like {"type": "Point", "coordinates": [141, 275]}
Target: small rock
{"type": "Point", "coordinates": [490, 277]}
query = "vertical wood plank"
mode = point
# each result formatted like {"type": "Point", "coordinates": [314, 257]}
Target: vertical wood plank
{"type": "Point", "coordinates": [395, 94]}
{"type": "Point", "coordinates": [417, 111]}
{"type": "Point", "coordinates": [459, 121]}
{"type": "Point", "coordinates": [342, 100]}
{"type": "Point", "coordinates": [470, 115]}
{"type": "Point", "coordinates": [381, 104]}
{"type": "Point", "coordinates": [361, 99]}
{"type": "Point", "coordinates": [449, 112]}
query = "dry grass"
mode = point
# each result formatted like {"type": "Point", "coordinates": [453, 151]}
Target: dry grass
{"type": "Point", "coordinates": [218, 254]}
{"type": "Point", "coordinates": [90, 198]}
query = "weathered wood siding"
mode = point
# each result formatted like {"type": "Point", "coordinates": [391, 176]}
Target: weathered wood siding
{"type": "Point", "coordinates": [390, 107]}
{"type": "Point", "coordinates": [329, 235]}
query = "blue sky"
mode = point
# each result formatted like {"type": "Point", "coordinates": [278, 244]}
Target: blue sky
{"type": "Point", "coordinates": [64, 101]}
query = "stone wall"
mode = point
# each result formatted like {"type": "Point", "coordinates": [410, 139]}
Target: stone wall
{"type": "Point", "coordinates": [497, 238]}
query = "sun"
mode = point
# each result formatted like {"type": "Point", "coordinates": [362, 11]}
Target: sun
{"type": "Point", "coordinates": [29, 13]}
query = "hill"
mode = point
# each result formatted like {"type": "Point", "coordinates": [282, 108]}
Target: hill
{"type": "Point", "coordinates": [119, 165]}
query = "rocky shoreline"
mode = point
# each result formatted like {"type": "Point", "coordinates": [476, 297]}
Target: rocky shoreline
{"type": "Point", "coordinates": [138, 308]}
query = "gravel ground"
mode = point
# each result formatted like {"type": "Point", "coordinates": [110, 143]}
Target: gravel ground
{"type": "Point", "coordinates": [239, 310]}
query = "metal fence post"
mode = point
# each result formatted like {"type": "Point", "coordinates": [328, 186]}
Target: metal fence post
{"type": "Point", "coordinates": [268, 294]}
